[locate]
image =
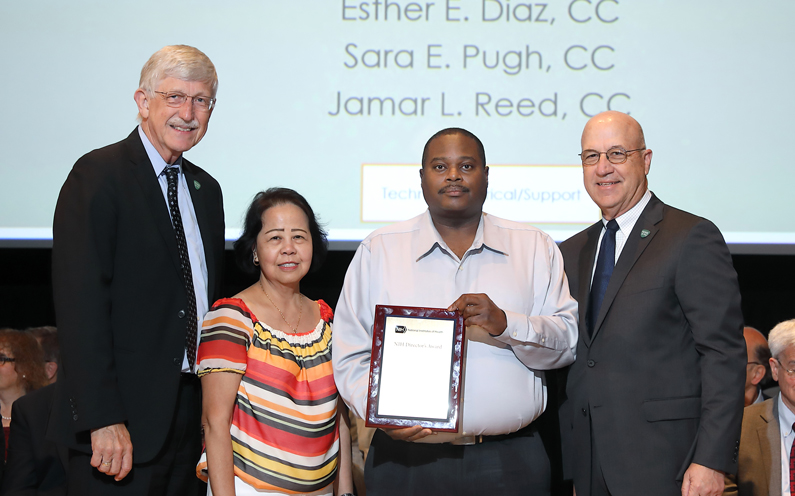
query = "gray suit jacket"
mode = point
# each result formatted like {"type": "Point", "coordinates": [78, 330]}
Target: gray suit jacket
{"type": "Point", "coordinates": [759, 470]}
{"type": "Point", "coordinates": [660, 383]}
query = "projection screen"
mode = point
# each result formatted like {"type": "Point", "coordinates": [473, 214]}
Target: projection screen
{"type": "Point", "coordinates": [336, 98]}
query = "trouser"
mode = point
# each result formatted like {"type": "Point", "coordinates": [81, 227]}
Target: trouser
{"type": "Point", "coordinates": [510, 464]}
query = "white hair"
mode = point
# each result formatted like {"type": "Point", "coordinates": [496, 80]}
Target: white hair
{"type": "Point", "coordinates": [782, 336]}
{"type": "Point", "coordinates": [180, 62]}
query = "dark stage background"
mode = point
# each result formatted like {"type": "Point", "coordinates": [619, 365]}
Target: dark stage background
{"type": "Point", "coordinates": [766, 283]}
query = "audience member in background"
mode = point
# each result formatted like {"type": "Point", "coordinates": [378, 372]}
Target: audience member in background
{"type": "Point", "coordinates": [273, 421]}
{"type": "Point", "coordinates": [47, 337]}
{"type": "Point", "coordinates": [35, 465]}
{"type": "Point", "coordinates": [758, 368]}
{"type": "Point", "coordinates": [21, 371]}
{"type": "Point", "coordinates": [766, 465]}
{"type": "Point", "coordinates": [137, 254]}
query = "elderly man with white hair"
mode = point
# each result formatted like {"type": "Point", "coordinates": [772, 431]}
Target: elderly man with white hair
{"type": "Point", "coordinates": [766, 465]}
{"type": "Point", "coordinates": [138, 243]}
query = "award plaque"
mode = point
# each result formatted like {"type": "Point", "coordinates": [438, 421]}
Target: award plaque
{"type": "Point", "coordinates": [416, 367]}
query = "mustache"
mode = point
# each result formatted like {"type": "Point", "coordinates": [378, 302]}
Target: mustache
{"type": "Point", "coordinates": [180, 122]}
{"type": "Point", "coordinates": [458, 187]}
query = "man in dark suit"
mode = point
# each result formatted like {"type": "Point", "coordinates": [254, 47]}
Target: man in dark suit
{"type": "Point", "coordinates": [656, 392]}
{"type": "Point", "coordinates": [759, 471]}
{"type": "Point", "coordinates": [138, 240]}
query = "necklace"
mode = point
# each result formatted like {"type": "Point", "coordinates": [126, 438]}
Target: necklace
{"type": "Point", "coordinates": [300, 310]}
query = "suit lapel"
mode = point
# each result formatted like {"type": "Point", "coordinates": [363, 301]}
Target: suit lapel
{"type": "Point", "coordinates": [770, 445]}
{"type": "Point", "coordinates": [587, 258]}
{"type": "Point", "coordinates": [198, 197]}
{"type": "Point", "coordinates": [633, 248]}
{"type": "Point", "coordinates": [153, 195]}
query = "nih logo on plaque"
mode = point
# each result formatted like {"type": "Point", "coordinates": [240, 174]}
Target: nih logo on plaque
{"type": "Point", "coordinates": [400, 329]}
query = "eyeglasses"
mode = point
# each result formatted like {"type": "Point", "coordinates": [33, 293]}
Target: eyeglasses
{"type": "Point", "coordinates": [616, 155]}
{"type": "Point", "coordinates": [176, 99]}
{"type": "Point", "coordinates": [4, 359]}
{"type": "Point", "coordinates": [790, 372]}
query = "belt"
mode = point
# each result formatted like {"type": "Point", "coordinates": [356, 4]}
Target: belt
{"type": "Point", "coordinates": [472, 439]}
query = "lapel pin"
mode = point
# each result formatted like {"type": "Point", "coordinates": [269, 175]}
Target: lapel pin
{"type": "Point", "coordinates": [643, 233]}
{"type": "Point", "coordinates": [197, 186]}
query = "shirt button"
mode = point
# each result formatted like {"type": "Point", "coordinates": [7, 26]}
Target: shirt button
{"type": "Point", "coordinates": [543, 340]}
{"type": "Point", "coordinates": [591, 363]}
{"type": "Point", "coordinates": [584, 412]}
{"type": "Point", "coordinates": [74, 417]}
{"type": "Point", "coordinates": [181, 314]}
{"type": "Point", "coordinates": [514, 333]}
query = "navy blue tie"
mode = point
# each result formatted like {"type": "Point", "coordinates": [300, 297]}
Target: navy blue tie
{"type": "Point", "coordinates": [172, 174]}
{"type": "Point", "coordinates": [605, 263]}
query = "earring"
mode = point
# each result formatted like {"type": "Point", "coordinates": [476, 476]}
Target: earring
{"type": "Point", "coordinates": [254, 255]}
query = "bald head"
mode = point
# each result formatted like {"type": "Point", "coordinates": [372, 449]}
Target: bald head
{"type": "Point", "coordinates": [620, 123]}
{"type": "Point", "coordinates": [753, 338]}
{"type": "Point", "coordinates": [616, 188]}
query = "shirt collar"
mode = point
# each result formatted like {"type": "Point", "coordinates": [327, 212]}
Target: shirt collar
{"type": "Point", "coordinates": [785, 417]}
{"type": "Point", "coordinates": [627, 220]}
{"type": "Point", "coordinates": [429, 238]}
{"type": "Point", "coordinates": [158, 164]}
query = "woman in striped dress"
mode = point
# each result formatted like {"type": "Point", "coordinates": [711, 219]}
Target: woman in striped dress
{"type": "Point", "coordinates": [273, 423]}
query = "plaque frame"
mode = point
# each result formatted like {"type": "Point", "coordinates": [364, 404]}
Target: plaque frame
{"type": "Point", "coordinates": [455, 391]}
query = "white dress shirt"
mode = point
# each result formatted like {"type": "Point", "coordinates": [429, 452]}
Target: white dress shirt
{"type": "Point", "coordinates": [785, 420]}
{"type": "Point", "coordinates": [519, 267]}
{"type": "Point", "coordinates": [626, 222]}
{"type": "Point", "coordinates": [198, 264]}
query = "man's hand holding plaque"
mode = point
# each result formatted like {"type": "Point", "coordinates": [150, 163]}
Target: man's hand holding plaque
{"type": "Point", "coordinates": [479, 310]}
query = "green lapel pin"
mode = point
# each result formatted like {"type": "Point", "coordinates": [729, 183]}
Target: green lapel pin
{"type": "Point", "coordinates": [197, 186]}
{"type": "Point", "coordinates": [643, 233]}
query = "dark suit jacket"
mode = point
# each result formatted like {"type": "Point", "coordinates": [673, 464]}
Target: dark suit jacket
{"type": "Point", "coordinates": [759, 470]}
{"type": "Point", "coordinates": [660, 385]}
{"type": "Point", "coordinates": [35, 465]}
{"type": "Point", "coordinates": [119, 294]}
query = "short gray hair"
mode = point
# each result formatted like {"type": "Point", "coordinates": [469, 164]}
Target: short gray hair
{"type": "Point", "coordinates": [782, 336]}
{"type": "Point", "coordinates": [180, 62]}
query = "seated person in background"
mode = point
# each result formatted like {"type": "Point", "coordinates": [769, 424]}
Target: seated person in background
{"type": "Point", "coordinates": [766, 466]}
{"type": "Point", "coordinates": [273, 421]}
{"type": "Point", "coordinates": [758, 368]}
{"type": "Point", "coordinates": [21, 371]}
{"type": "Point", "coordinates": [47, 337]}
{"type": "Point", "coordinates": [34, 464]}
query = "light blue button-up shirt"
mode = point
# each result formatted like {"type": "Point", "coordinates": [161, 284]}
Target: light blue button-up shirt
{"type": "Point", "coordinates": [193, 236]}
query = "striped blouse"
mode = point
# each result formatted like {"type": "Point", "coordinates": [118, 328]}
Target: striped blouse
{"type": "Point", "coordinates": [284, 432]}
